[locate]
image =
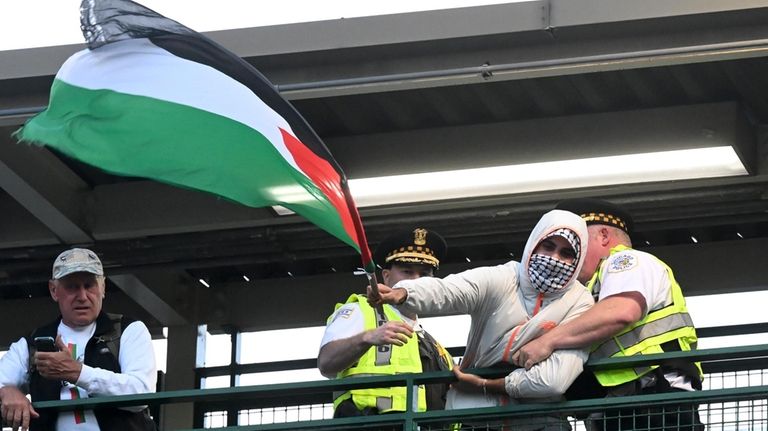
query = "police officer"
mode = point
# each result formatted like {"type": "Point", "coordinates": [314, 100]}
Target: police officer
{"type": "Point", "coordinates": [640, 310]}
{"type": "Point", "coordinates": [355, 329]}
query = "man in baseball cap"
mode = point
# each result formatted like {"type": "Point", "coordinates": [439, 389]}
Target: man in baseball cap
{"type": "Point", "coordinates": [108, 354]}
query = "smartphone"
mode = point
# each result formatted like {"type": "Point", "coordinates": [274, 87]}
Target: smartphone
{"type": "Point", "coordinates": [45, 344]}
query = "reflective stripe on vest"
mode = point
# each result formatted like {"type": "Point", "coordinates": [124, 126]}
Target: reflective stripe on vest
{"type": "Point", "coordinates": [383, 353]}
{"type": "Point", "coordinates": [671, 323]}
{"type": "Point", "coordinates": [382, 360]}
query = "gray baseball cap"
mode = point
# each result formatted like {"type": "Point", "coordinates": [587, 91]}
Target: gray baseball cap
{"type": "Point", "coordinates": [76, 260]}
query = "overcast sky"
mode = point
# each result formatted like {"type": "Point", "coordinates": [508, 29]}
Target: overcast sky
{"type": "Point", "coordinates": [34, 23]}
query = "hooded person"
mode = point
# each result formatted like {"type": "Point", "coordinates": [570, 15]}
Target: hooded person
{"type": "Point", "coordinates": [510, 304]}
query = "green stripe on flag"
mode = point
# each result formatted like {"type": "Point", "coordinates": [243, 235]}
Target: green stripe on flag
{"type": "Point", "coordinates": [119, 133]}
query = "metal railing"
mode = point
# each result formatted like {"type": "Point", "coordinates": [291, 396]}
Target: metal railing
{"type": "Point", "coordinates": [727, 402]}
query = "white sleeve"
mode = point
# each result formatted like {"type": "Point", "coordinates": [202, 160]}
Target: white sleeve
{"type": "Point", "coordinates": [14, 365]}
{"type": "Point", "coordinates": [549, 378]}
{"type": "Point", "coordinates": [346, 322]}
{"type": "Point", "coordinates": [137, 364]}
{"type": "Point", "coordinates": [630, 271]}
{"type": "Point", "coordinates": [460, 293]}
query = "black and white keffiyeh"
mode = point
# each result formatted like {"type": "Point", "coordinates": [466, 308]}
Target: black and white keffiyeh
{"type": "Point", "coordinates": [548, 274]}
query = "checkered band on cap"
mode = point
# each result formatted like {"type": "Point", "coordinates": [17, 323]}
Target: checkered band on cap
{"type": "Point", "coordinates": [413, 254]}
{"type": "Point", "coordinates": [608, 219]}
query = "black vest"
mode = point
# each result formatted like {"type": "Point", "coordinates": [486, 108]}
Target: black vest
{"type": "Point", "coordinates": [98, 354]}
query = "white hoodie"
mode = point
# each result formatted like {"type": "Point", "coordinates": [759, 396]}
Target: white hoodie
{"type": "Point", "coordinates": [500, 299]}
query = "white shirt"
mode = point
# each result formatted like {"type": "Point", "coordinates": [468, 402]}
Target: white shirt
{"type": "Point", "coordinates": [637, 271]}
{"type": "Point", "coordinates": [348, 321]}
{"type": "Point", "coordinates": [137, 362]}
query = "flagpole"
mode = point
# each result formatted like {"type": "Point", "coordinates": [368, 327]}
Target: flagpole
{"type": "Point", "coordinates": [365, 252]}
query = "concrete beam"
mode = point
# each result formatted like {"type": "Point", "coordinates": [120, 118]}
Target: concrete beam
{"type": "Point", "coordinates": [580, 12]}
{"type": "Point", "coordinates": [135, 288]}
{"type": "Point", "coordinates": [46, 188]}
{"type": "Point", "coordinates": [547, 139]}
{"type": "Point", "coordinates": [26, 230]}
{"type": "Point", "coordinates": [143, 208]}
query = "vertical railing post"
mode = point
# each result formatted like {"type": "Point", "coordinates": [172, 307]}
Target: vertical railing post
{"type": "Point", "coordinates": [408, 425]}
{"type": "Point", "coordinates": [234, 357]}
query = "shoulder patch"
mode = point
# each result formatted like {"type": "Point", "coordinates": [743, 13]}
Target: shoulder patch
{"type": "Point", "coordinates": [344, 313]}
{"type": "Point", "coordinates": [622, 262]}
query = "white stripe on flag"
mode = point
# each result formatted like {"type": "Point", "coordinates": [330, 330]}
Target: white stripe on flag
{"type": "Point", "coordinates": [138, 67]}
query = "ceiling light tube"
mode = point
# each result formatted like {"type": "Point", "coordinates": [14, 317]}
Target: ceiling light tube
{"type": "Point", "coordinates": [559, 175]}
{"type": "Point", "coordinates": [672, 165]}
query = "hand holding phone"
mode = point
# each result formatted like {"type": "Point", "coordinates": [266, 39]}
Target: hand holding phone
{"type": "Point", "coordinates": [45, 344]}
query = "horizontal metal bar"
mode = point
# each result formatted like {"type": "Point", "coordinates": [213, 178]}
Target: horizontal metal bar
{"type": "Point", "coordinates": [523, 410]}
{"type": "Point", "coordinates": [734, 365]}
{"type": "Point", "coordinates": [250, 392]}
{"type": "Point", "coordinates": [722, 331]}
{"type": "Point", "coordinates": [526, 69]}
{"type": "Point", "coordinates": [265, 367]}
{"type": "Point", "coordinates": [703, 355]}
{"type": "Point", "coordinates": [258, 367]}
{"type": "Point", "coordinates": [324, 386]}
{"type": "Point", "coordinates": [309, 363]}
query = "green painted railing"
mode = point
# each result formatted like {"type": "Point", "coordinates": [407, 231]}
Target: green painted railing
{"type": "Point", "coordinates": [250, 397]}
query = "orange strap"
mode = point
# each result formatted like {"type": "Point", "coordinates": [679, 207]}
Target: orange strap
{"type": "Point", "coordinates": [512, 337]}
{"type": "Point", "coordinates": [539, 300]}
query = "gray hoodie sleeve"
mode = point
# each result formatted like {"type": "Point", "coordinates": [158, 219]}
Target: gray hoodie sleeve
{"type": "Point", "coordinates": [460, 293]}
{"type": "Point", "coordinates": [553, 376]}
{"type": "Point", "coordinates": [549, 378]}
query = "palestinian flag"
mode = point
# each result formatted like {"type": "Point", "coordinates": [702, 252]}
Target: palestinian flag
{"type": "Point", "coordinates": [151, 98]}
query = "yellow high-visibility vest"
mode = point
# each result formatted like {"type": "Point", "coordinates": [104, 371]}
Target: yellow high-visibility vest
{"type": "Point", "coordinates": [646, 336]}
{"type": "Point", "coordinates": [382, 360]}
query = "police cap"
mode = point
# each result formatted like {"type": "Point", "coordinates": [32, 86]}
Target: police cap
{"type": "Point", "coordinates": [411, 246]}
{"type": "Point", "coordinates": [598, 211]}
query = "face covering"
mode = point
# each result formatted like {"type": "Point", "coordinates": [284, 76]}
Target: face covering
{"type": "Point", "coordinates": [548, 274]}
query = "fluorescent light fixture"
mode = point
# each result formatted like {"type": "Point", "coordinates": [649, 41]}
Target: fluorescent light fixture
{"type": "Point", "coordinates": [673, 165]}
{"type": "Point", "coordinates": [533, 177]}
